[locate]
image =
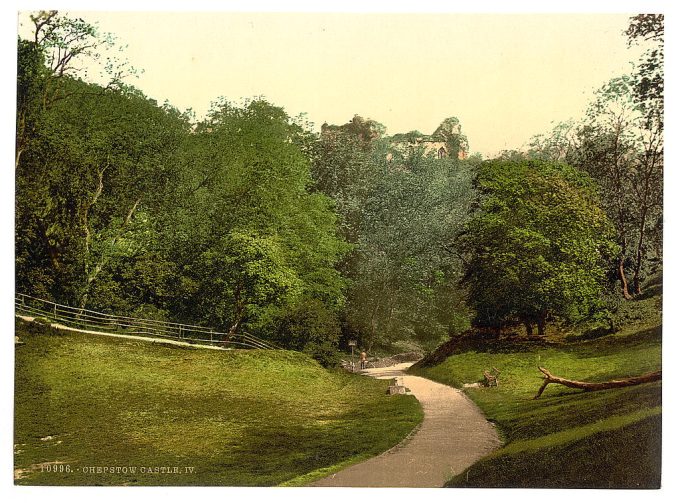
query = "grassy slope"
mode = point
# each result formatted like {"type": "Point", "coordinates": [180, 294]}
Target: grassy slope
{"type": "Point", "coordinates": [239, 418]}
{"type": "Point", "coordinates": [567, 438]}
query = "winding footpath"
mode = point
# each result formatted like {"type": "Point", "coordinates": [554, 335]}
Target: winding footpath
{"type": "Point", "coordinates": [453, 435]}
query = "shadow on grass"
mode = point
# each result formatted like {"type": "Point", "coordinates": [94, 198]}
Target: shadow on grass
{"type": "Point", "coordinates": [650, 337]}
{"type": "Point", "coordinates": [623, 458]}
{"type": "Point", "coordinates": [571, 408]}
{"type": "Point", "coordinates": [653, 290]}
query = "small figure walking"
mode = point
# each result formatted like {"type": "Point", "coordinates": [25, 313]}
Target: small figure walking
{"type": "Point", "coordinates": [362, 360]}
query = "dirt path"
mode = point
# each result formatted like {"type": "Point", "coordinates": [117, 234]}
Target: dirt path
{"type": "Point", "coordinates": [453, 435]}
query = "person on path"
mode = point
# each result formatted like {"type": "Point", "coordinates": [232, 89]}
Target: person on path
{"type": "Point", "coordinates": [362, 360]}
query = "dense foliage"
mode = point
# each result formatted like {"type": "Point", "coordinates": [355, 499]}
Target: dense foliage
{"type": "Point", "coordinates": [537, 246]}
{"type": "Point", "coordinates": [400, 209]}
{"type": "Point", "coordinates": [247, 220]}
{"type": "Point", "coordinates": [124, 205]}
{"type": "Point", "coordinates": [620, 144]}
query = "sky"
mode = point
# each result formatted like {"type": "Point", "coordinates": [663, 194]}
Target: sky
{"type": "Point", "coordinates": [505, 76]}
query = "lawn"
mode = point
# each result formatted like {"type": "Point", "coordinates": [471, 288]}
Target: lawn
{"type": "Point", "coordinates": [567, 438]}
{"type": "Point", "coordinates": [86, 406]}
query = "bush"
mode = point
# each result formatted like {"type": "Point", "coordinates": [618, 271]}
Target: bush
{"type": "Point", "coordinates": [311, 327]}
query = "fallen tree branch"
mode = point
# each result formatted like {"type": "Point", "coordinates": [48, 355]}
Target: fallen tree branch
{"type": "Point", "coordinates": [595, 386]}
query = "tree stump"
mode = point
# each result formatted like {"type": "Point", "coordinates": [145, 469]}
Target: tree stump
{"type": "Point", "coordinates": [491, 379]}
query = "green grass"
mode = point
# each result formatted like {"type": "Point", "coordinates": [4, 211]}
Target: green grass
{"type": "Point", "coordinates": [238, 418]}
{"type": "Point", "coordinates": [567, 438]}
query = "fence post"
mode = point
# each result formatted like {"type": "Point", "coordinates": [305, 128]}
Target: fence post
{"type": "Point", "coordinates": [55, 312]}
{"type": "Point", "coordinates": [211, 335]}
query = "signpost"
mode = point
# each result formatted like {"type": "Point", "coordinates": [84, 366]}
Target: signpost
{"type": "Point", "coordinates": [352, 344]}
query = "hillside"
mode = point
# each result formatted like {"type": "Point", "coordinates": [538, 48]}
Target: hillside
{"type": "Point", "coordinates": [567, 438]}
{"type": "Point", "coordinates": [85, 402]}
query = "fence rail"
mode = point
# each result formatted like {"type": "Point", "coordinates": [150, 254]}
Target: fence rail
{"type": "Point", "coordinates": [86, 319]}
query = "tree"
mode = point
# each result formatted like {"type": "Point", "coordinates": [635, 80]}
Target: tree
{"type": "Point", "coordinates": [400, 209]}
{"type": "Point", "coordinates": [559, 145]}
{"type": "Point", "coordinates": [62, 49]}
{"type": "Point", "coordinates": [404, 284]}
{"type": "Point", "coordinates": [649, 77]}
{"type": "Point", "coordinates": [536, 247]}
{"type": "Point", "coordinates": [70, 144]}
{"type": "Point", "coordinates": [243, 221]}
{"type": "Point", "coordinates": [236, 280]}
{"type": "Point", "coordinates": [648, 84]}
{"type": "Point", "coordinates": [126, 206]}
{"type": "Point", "coordinates": [621, 147]}
{"type": "Point", "coordinates": [98, 163]}
{"type": "Point", "coordinates": [620, 144]}
{"type": "Point", "coordinates": [346, 164]}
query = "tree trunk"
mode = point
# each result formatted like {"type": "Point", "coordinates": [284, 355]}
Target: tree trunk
{"type": "Point", "coordinates": [637, 288]}
{"type": "Point", "coordinates": [17, 157]}
{"type": "Point", "coordinates": [21, 140]}
{"type": "Point", "coordinates": [624, 281]}
{"type": "Point", "coordinates": [85, 216]}
{"type": "Point", "coordinates": [374, 323]}
{"type": "Point", "coordinates": [52, 250]}
{"type": "Point", "coordinates": [529, 327]}
{"type": "Point", "coordinates": [541, 322]}
{"type": "Point", "coordinates": [640, 246]}
{"type": "Point", "coordinates": [91, 276]}
{"type": "Point", "coordinates": [650, 164]}
{"type": "Point", "coordinates": [238, 313]}
{"type": "Point", "coordinates": [233, 329]}
{"type": "Point", "coordinates": [621, 210]}
{"type": "Point", "coordinates": [595, 386]}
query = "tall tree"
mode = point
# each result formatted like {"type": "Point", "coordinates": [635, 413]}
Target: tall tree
{"type": "Point", "coordinates": [621, 147]}
{"type": "Point", "coordinates": [648, 84]}
{"type": "Point", "coordinates": [244, 223]}
{"type": "Point", "coordinates": [99, 162]}
{"type": "Point", "coordinates": [62, 48]}
{"type": "Point", "coordinates": [537, 245]}
{"type": "Point", "coordinates": [620, 144]}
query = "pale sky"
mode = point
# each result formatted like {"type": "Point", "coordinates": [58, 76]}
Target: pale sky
{"type": "Point", "coordinates": [506, 77]}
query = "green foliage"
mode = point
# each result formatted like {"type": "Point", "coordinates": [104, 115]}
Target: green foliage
{"type": "Point", "coordinates": [537, 245]}
{"type": "Point", "coordinates": [98, 165]}
{"type": "Point", "coordinates": [239, 278]}
{"type": "Point", "coordinates": [125, 206]}
{"type": "Point", "coordinates": [248, 220]}
{"type": "Point", "coordinates": [400, 211]}
{"type": "Point", "coordinates": [649, 78]}
{"type": "Point", "coordinates": [251, 239]}
{"type": "Point", "coordinates": [620, 145]}
{"type": "Point", "coordinates": [308, 325]}
{"type": "Point", "coordinates": [405, 286]}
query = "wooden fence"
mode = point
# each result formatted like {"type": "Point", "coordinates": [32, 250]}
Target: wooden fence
{"type": "Point", "coordinates": [86, 319]}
